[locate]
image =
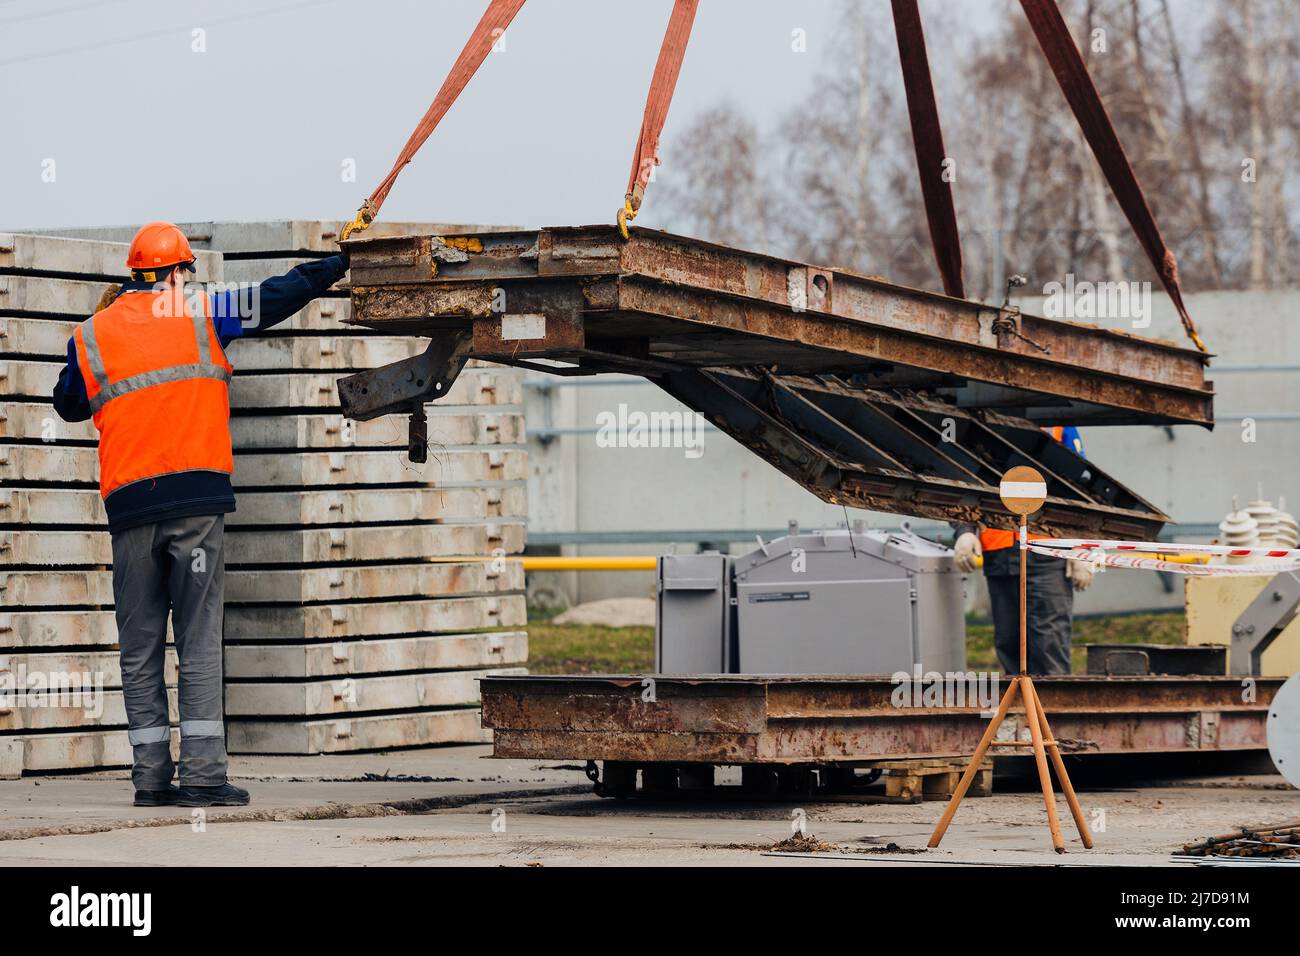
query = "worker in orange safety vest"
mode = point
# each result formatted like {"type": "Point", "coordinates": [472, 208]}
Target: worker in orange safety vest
{"type": "Point", "coordinates": [150, 369]}
{"type": "Point", "coordinates": [1049, 587]}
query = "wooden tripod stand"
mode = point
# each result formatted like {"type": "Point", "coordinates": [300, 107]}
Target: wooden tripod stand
{"type": "Point", "coordinates": [1042, 740]}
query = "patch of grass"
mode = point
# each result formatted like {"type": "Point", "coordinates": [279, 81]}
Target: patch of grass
{"type": "Point", "coordinates": [980, 655]}
{"type": "Point", "coordinates": [583, 649]}
{"type": "Point", "coordinates": [1166, 628]}
{"type": "Point", "coordinates": [586, 649]}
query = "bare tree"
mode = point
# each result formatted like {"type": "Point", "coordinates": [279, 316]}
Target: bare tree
{"type": "Point", "coordinates": [1249, 51]}
{"type": "Point", "coordinates": [711, 181]}
{"type": "Point", "coordinates": [833, 180]}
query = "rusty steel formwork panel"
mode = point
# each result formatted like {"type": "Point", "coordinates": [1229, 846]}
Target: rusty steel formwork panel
{"type": "Point", "coordinates": [867, 394]}
{"type": "Point", "coordinates": [737, 720]}
{"type": "Point", "coordinates": [659, 298]}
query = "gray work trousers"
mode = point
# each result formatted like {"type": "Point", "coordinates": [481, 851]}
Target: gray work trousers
{"type": "Point", "coordinates": [1049, 607]}
{"type": "Point", "coordinates": [176, 564]}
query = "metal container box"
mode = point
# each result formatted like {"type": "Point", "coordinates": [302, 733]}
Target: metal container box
{"type": "Point", "coordinates": [693, 633]}
{"type": "Point", "coordinates": [834, 602]}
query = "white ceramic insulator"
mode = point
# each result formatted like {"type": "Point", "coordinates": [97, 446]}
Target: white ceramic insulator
{"type": "Point", "coordinates": [1239, 530]}
{"type": "Point", "coordinates": [1286, 533]}
{"type": "Point", "coordinates": [1265, 516]}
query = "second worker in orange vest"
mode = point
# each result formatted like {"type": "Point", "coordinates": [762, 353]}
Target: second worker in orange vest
{"type": "Point", "coordinates": [1049, 587]}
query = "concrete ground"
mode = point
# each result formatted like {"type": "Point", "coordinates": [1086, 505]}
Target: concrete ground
{"type": "Point", "coordinates": [456, 805]}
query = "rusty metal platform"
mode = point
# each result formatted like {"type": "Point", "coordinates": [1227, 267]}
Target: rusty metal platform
{"type": "Point", "coordinates": [866, 393]}
{"type": "Point", "coordinates": [843, 721]}
{"type": "Point", "coordinates": [662, 301]}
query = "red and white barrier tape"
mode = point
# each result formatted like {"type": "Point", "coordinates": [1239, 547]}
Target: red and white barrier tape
{"type": "Point", "coordinates": [1135, 561]}
{"type": "Point", "coordinates": [1166, 547]}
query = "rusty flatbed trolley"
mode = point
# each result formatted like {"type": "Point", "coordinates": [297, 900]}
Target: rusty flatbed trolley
{"type": "Point", "coordinates": [809, 732]}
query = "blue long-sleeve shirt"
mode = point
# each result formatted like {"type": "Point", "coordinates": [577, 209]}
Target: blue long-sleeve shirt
{"type": "Point", "coordinates": [236, 313]}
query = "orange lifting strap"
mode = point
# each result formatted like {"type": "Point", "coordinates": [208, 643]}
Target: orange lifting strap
{"type": "Point", "coordinates": [1072, 76]}
{"type": "Point", "coordinates": [927, 140]}
{"type": "Point", "coordinates": [495, 20]}
{"type": "Point", "coordinates": [662, 84]}
{"type": "Point", "coordinates": [1053, 36]}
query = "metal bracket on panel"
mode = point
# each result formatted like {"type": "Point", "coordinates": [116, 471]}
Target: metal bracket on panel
{"type": "Point", "coordinates": [417, 434]}
{"type": "Point", "coordinates": [405, 386]}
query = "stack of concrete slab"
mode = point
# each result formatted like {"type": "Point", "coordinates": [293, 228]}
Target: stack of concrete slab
{"type": "Point", "coordinates": [60, 683]}
{"type": "Point", "coordinates": [341, 633]}
{"type": "Point", "coordinates": [347, 627]}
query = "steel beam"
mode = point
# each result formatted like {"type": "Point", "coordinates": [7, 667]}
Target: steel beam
{"type": "Point", "coordinates": [695, 300]}
{"type": "Point", "coordinates": [865, 393]}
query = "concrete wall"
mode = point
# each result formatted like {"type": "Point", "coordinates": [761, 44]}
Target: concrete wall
{"type": "Point", "coordinates": [659, 499]}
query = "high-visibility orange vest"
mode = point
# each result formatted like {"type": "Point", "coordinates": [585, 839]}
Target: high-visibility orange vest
{"type": "Point", "coordinates": [995, 539]}
{"type": "Point", "coordinates": [159, 387]}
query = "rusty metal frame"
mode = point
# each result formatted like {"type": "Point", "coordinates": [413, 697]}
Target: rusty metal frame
{"type": "Point", "coordinates": [738, 720]}
{"type": "Point", "coordinates": [865, 393]}
{"type": "Point", "coordinates": [394, 388]}
{"type": "Point", "coordinates": [904, 455]}
{"type": "Point", "coordinates": [684, 297]}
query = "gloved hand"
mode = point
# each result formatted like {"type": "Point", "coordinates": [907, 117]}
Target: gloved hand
{"type": "Point", "coordinates": [966, 550]}
{"type": "Point", "coordinates": [1080, 573]}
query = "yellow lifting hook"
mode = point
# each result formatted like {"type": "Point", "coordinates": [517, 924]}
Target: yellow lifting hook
{"type": "Point", "coordinates": [365, 216]}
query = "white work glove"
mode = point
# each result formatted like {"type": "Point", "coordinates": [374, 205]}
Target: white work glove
{"type": "Point", "coordinates": [1080, 573]}
{"type": "Point", "coordinates": [966, 550]}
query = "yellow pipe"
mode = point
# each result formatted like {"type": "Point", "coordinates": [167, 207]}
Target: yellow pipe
{"type": "Point", "coordinates": [592, 563]}
{"type": "Point", "coordinates": [566, 563]}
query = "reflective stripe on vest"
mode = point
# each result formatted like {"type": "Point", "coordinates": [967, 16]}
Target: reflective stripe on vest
{"type": "Point", "coordinates": [177, 373]}
{"type": "Point", "coordinates": [157, 386]}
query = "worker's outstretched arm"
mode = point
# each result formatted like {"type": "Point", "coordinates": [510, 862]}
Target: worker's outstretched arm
{"type": "Point", "coordinates": [70, 399]}
{"type": "Point", "coordinates": [244, 312]}
{"type": "Point", "coordinates": [235, 313]}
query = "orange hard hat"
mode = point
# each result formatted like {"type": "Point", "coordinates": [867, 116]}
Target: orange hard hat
{"type": "Point", "coordinates": [158, 245]}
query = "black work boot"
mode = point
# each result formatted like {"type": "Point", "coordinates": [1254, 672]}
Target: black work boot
{"type": "Point", "coordinates": [226, 795]}
{"type": "Point", "coordinates": [166, 797]}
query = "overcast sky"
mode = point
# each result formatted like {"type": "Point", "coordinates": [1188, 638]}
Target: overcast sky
{"type": "Point", "coordinates": [139, 126]}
